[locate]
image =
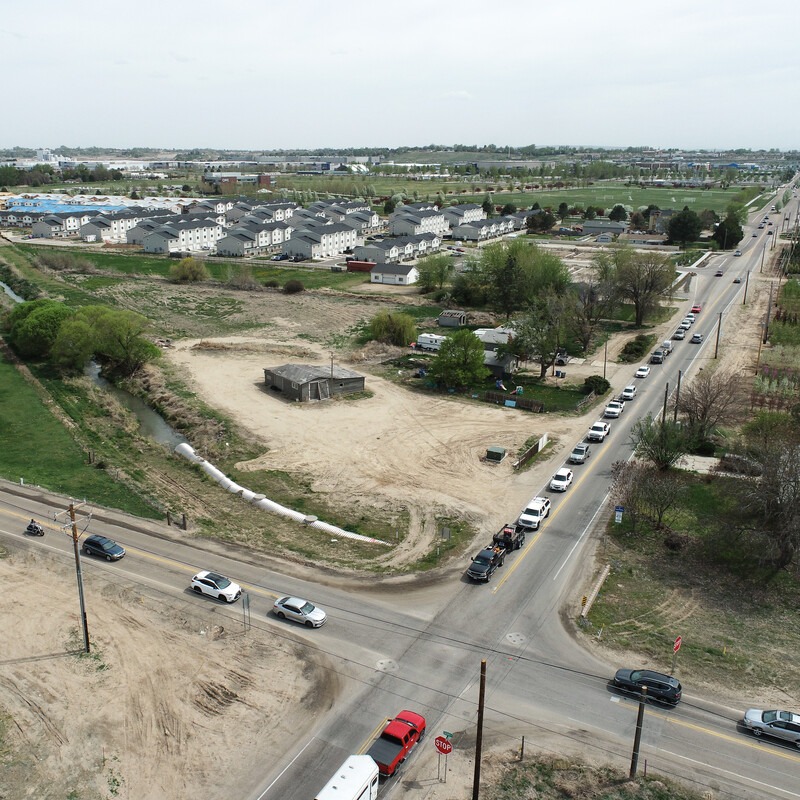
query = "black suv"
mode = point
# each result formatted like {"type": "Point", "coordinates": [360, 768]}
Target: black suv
{"type": "Point", "coordinates": [105, 548]}
{"type": "Point", "coordinates": [659, 686]}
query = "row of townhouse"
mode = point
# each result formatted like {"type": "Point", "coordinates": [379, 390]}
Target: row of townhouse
{"type": "Point", "coordinates": [401, 248]}
{"type": "Point", "coordinates": [416, 218]}
{"type": "Point", "coordinates": [482, 229]}
{"type": "Point", "coordinates": [183, 235]}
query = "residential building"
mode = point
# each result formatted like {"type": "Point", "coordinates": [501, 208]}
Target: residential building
{"type": "Point", "coordinates": [394, 274]}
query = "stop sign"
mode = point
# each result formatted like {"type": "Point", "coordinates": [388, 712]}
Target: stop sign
{"type": "Point", "coordinates": [443, 745]}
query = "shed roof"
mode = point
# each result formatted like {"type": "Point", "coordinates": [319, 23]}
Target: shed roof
{"type": "Point", "coordinates": [305, 373]}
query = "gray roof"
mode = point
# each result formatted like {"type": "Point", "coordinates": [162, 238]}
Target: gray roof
{"type": "Point", "coordinates": [305, 373]}
{"type": "Point", "coordinates": [392, 269]}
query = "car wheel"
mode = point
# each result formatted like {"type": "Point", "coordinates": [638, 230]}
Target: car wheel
{"type": "Point", "coordinates": [197, 589]}
{"type": "Point", "coordinates": [87, 551]}
{"type": "Point", "coordinates": [108, 558]}
{"type": "Point", "coordinates": [309, 623]}
{"type": "Point", "coordinates": [757, 731]}
{"type": "Point", "coordinates": [280, 615]}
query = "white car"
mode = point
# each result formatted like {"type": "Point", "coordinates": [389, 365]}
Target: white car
{"type": "Point", "coordinates": [642, 372]}
{"type": "Point", "coordinates": [535, 513]}
{"type": "Point", "coordinates": [679, 334]}
{"type": "Point", "coordinates": [614, 409]}
{"type": "Point", "coordinates": [598, 431]}
{"type": "Point", "coordinates": [216, 586]}
{"type": "Point", "coordinates": [738, 253]}
{"type": "Point", "coordinates": [691, 317]}
{"type": "Point", "coordinates": [685, 325]}
{"type": "Point", "coordinates": [299, 610]}
{"type": "Point", "coordinates": [561, 481]}
{"type": "Point", "coordinates": [628, 393]}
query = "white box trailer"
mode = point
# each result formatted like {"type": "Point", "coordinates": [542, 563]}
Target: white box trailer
{"type": "Point", "coordinates": [430, 341]}
{"type": "Point", "coordinates": [356, 779]}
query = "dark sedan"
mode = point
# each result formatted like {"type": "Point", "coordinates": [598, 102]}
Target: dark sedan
{"type": "Point", "coordinates": [659, 686]}
{"type": "Point", "coordinates": [103, 547]}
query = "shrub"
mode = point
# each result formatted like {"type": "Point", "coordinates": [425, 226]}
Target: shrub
{"type": "Point", "coordinates": [272, 284]}
{"type": "Point", "coordinates": [188, 270]}
{"type": "Point", "coordinates": [597, 384]}
{"type": "Point", "coordinates": [293, 287]}
{"type": "Point", "coordinates": [636, 348]}
{"type": "Point", "coordinates": [397, 329]}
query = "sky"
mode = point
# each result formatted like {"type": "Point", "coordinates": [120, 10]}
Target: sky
{"type": "Point", "coordinates": [300, 74]}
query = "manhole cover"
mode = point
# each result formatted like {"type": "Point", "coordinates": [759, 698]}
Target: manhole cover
{"type": "Point", "coordinates": [516, 638]}
{"type": "Point", "coordinates": [386, 665]}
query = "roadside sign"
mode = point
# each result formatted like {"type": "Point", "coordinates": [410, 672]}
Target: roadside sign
{"type": "Point", "coordinates": [677, 645]}
{"type": "Point", "coordinates": [443, 745]}
{"type": "Point", "coordinates": [618, 513]}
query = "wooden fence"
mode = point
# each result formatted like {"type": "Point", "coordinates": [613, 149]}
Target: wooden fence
{"type": "Point", "coordinates": [514, 401]}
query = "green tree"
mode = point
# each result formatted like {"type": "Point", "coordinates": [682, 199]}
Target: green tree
{"type": "Point", "coordinates": [618, 213]}
{"type": "Point", "coordinates": [728, 233]}
{"type": "Point", "coordinates": [563, 211]}
{"type": "Point", "coordinates": [508, 209]}
{"type": "Point", "coordinates": [389, 206]}
{"type": "Point", "coordinates": [188, 270]}
{"type": "Point", "coordinates": [34, 329]}
{"type": "Point", "coordinates": [540, 331]}
{"type": "Point", "coordinates": [738, 211]}
{"type": "Point", "coordinates": [640, 278]}
{"type": "Point", "coordinates": [74, 345]}
{"type": "Point", "coordinates": [638, 221]}
{"type": "Point", "coordinates": [488, 206]}
{"type": "Point", "coordinates": [591, 300]}
{"type": "Point", "coordinates": [460, 361]}
{"type": "Point", "coordinates": [541, 222]}
{"type": "Point", "coordinates": [120, 344]}
{"type": "Point", "coordinates": [684, 227]}
{"type": "Point", "coordinates": [708, 219]}
{"type": "Point", "coordinates": [517, 272]}
{"type": "Point", "coordinates": [396, 329]}
{"type": "Point", "coordinates": [434, 272]}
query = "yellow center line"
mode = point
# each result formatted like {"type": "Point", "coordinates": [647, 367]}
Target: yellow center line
{"type": "Point", "coordinates": [553, 514]}
{"type": "Point", "coordinates": [753, 743]}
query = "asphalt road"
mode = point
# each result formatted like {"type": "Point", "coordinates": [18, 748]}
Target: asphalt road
{"type": "Point", "coordinates": [422, 650]}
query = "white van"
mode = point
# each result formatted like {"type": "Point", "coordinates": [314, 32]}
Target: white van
{"type": "Point", "coordinates": [356, 779]}
{"type": "Point", "coordinates": [430, 341]}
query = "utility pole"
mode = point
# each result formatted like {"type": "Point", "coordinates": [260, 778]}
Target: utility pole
{"type": "Point", "coordinates": [677, 397]}
{"type": "Point", "coordinates": [664, 410]}
{"type": "Point", "coordinates": [476, 781]}
{"type": "Point", "coordinates": [605, 356]}
{"type": "Point", "coordinates": [637, 739]}
{"type": "Point", "coordinates": [746, 284]}
{"type": "Point", "coordinates": [719, 330]}
{"type": "Point", "coordinates": [72, 525]}
{"type": "Point", "coordinates": [769, 312]}
{"type": "Point", "coordinates": [763, 250]}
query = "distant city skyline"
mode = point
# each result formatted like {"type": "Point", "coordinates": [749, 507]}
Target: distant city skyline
{"type": "Point", "coordinates": [266, 76]}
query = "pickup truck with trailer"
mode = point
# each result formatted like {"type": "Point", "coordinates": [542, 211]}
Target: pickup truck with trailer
{"type": "Point", "coordinates": [505, 541]}
{"type": "Point", "coordinates": [512, 537]}
{"type": "Point", "coordinates": [396, 741]}
{"type": "Point", "coordinates": [486, 562]}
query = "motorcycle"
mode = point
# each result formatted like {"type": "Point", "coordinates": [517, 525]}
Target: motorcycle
{"type": "Point", "coordinates": [34, 529]}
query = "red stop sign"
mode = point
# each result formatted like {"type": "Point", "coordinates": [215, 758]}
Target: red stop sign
{"type": "Point", "coordinates": [443, 745]}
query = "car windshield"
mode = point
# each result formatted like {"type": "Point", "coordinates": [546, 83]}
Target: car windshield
{"type": "Point", "coordinates": [222, 583]}
{"type": "Point", "coordinates": [107, 544]}
{"type": "Point", "coordinates": [769, 716]}
{"type": "Point", "coordinates": [307, 608]}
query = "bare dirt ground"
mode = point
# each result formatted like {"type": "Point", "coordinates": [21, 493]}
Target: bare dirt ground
{"type": "Point", "coordinates": [175, 703]}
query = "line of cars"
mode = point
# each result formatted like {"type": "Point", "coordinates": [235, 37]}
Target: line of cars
{"type": "Point", "coordinates": [779, 724]}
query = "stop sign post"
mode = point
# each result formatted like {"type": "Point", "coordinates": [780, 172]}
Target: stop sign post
{"type": "Point", "coordinates": [676, 645]}
{"type": "Point", "coordinates": [445, 748]}
{"type": "Point", "coordinates": [443, 745]}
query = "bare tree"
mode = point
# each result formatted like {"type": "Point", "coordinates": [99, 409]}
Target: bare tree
{"type": "Point", "coordinates": [662, 443]}
{"type": "Point", "coordinates": [708, 400]}
{"type": "Point", "coordinates": [645, 491]}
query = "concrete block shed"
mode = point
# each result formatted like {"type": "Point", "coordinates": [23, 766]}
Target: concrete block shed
{"type": "Point", "coordinates": [304, 382]}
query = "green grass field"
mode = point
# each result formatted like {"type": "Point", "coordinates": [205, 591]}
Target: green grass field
{"type": "Point", "coordinates": [39, 450]}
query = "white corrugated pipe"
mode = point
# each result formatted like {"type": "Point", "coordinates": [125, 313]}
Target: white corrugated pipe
{"type": "Point", "coordinates": [187, 451]}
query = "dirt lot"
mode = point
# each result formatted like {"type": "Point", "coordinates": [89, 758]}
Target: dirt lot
{"type": "Point", "coordinates": [170, 706]}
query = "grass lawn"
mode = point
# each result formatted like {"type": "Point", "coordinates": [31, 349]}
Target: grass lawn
{"type": "Point", "coordinates": [37, 448]}
{"type": "Point", "coordinates": [737, 619]}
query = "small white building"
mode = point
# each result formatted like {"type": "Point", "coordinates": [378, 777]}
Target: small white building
{"type": "Point", "coordinates": [394, 274]}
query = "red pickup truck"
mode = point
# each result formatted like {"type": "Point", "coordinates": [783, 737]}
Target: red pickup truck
{"type": "Point", "coordinates": [396, 741]}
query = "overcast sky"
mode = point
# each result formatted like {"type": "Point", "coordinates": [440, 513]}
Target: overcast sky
{"type": "Point", "coordinates": [261, 74]}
